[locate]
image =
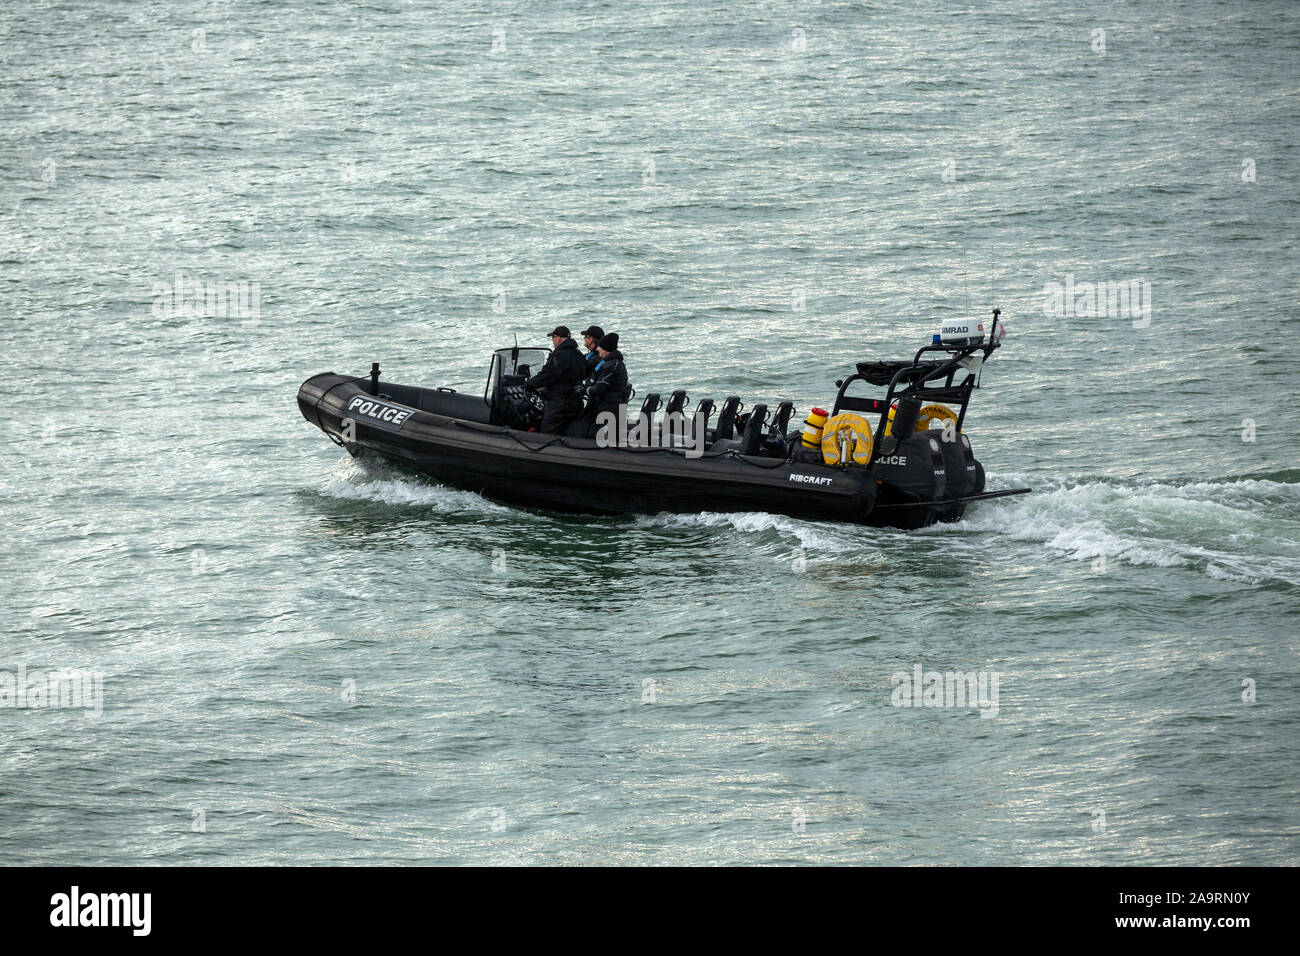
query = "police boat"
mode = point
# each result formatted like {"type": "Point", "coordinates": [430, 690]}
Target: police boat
{"type": "Point", "coordinates": [915, 467]}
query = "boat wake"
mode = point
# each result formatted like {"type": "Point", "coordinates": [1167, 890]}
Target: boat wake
{"type": "Point", "coordinates": [1243, 529]}
{"type": "Point", "coordinates": [381, 483]}
{"type": "Point", "coordinates": [1237, 529]}
{"type": "Point", "coordinates": [822, 536]}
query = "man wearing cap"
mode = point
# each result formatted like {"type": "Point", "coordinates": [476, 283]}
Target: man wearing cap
{"type": "Point", "coordinates": [607, 387]}
{"type": "Point", "coordinates": [565, 368]}
{"type": "Point", "coordinates": [590, 336]}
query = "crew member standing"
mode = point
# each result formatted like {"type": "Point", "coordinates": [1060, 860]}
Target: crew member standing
{"type": "Point", "coordinates": [565, 368]}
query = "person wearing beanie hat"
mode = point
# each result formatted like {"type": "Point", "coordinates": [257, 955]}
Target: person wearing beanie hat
{"type": "Point", "coordinates": [565, 368]}
{"type": "Point", "coordinates": [590, 336]}
{"type": "Point", "coordinates": [606, 389]}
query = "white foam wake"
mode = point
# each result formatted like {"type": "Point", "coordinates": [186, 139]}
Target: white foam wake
{"type": "Point", "coordinates": [1247, 530]}
{"type": "Point", "coordinates": [374, 481]}
{"type": "Point", "coordinates": [827, 537]}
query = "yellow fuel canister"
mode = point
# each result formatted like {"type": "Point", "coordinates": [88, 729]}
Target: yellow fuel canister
{"type": "Point", "coordinates": [812, 428]}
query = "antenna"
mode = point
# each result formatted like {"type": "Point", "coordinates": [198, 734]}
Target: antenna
{"type": "Point", "coordinates": [993, 343]}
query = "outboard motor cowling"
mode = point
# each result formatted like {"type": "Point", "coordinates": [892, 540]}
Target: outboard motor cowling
{"type": "Point", "coordinates": [959, 474]}
{"type": "Point", "coordinates": [913, 480]}
{"type": "Point", "coordinates": [973, 468]}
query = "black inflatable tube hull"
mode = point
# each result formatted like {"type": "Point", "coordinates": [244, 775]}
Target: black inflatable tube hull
{"type": "Point", "coordinates": [540, 471]}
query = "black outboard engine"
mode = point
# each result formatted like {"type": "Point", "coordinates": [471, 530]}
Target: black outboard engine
{"type": "Point", "coordinates": [911, 472]}
{"type": "Point", "coordinates": [963, 474]}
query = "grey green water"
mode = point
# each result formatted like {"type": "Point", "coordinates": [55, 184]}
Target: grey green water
{"type": "Point", "coordinates": [305, 660]}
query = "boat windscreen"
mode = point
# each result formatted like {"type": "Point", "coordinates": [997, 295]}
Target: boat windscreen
{"type": "Point", "coordinates": [511, 359]}
{"type": "Point", "coordinates": [509, 362]}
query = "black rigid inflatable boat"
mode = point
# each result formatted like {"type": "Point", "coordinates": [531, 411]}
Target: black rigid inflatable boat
{"type": "Point", "coordinates": [903, 473]}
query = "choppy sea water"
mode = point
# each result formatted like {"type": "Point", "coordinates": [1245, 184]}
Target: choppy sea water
{"type": "Point", "coordinates": [305, 659]}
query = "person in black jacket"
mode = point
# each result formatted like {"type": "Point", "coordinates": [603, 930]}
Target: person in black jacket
{"type": "Point", "coordinates": [607, 387]}
{"type": "Point", "coordinates": [590, 336]}
{"type": "Point", "coordinates": [563, 371]}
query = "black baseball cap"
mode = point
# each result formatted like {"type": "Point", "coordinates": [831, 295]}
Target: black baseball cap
{"type": "Point", "coordinates": [562, 331]}
{"type": "Point", "coordinates": [596, 332]}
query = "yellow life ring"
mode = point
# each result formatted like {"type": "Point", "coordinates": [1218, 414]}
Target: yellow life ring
{"type": "Point", "coordinates": [843, 430]}
{"type": "Point", "coordinates": [930, 416]}
{"type": "Point", "coordinates": [934, 416]}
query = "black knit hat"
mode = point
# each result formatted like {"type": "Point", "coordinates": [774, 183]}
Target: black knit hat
{"type": "Point", "coordinates": [608, 342]}
{"type": "Point", "coordinates": [595, 331]}
{"type": "Point", "coordinates": [562, 331]}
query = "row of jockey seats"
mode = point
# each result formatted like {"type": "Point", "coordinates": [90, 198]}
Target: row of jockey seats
{"type": "Point", "coordinates": [754, 436]}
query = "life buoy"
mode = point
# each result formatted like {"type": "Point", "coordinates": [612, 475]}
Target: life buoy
{"type": "Point", "coordinates": [934, 416]}
{"type": "Point", "coordinates": [846, 431]}
{"type": "Point", "coordinates": [930, 416]}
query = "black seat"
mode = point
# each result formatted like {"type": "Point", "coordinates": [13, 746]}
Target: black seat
{"type": "Point", "coordinates": [647, 414]}
{"type": "Point", "coordinates": [672, 411]}
{"type": "Point", "coordinates": [727, 419]}
{"type": "Point", "coordinates": [782, 420]}
{"type": "Point", "coordinates": [752, 440]}
{"type": "Point", "coordinates": [778, 437]}
{"type": "Point", "coordinates": [700, 420]}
